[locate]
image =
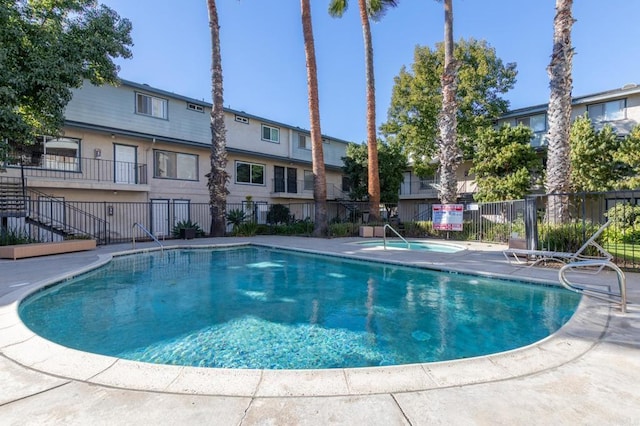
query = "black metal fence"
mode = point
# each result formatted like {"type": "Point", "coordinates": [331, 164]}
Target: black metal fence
{"type": "Point", "coordinates": [112, 222]}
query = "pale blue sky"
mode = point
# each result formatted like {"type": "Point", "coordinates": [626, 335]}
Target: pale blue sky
{"type": "Point", "coordinates": [263, 55]}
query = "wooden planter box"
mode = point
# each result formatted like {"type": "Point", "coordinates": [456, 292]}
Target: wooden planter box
{"type": "Point", "coordinates": [378, 231]}
{"type": "Point", "coordinates": [20, 251]}
{"type": "Point", "coordinates": [366, 231]}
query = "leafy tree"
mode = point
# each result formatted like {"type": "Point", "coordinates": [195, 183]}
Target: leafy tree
{"type": "Point", "coordinates": [368, 9]}
{"type": "Point", "coordinates": [506, 165]}
{"type": "Point", "coordinates": [48, 48]}
{"type": "Point", "coordinates": [321, 225]}
{"type": "Point", "coordinates": [629, 154]}
{"type": "Point", "coordinates": [218, 177]}
{"type": "Point", "coordinates": [391, 162]}
{"type": "Point", "coordinates": [449, 154]}
{"type": "Point", "coordinates": [355, 169]}
{"type": "Point", "coordinates": [559, 113]}
{"type": "Point", "coordinates": [417, 99]}
{"type": "Point", "coordinates": [592, 156]}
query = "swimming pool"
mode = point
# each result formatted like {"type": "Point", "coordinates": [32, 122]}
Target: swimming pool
{"type": "Point", "coordinates": [414, 245]}
{"type": "Point", "coordinates": [255, 307]}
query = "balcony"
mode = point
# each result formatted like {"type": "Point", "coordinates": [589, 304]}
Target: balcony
{"type": "Point", "coordinates": [303, 190]}
{"type": "Point", "coordinates": [428, 188]}
{"type": "Point", "coordinates": [49, 170]}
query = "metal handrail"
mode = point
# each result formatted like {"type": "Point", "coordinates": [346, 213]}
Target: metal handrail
{"type": "Point", "coordinates": [384, 236]}
{"type": "Point", "coordinates": [146, 231]}
{"type": "Point", "coordinates": [619, 298]}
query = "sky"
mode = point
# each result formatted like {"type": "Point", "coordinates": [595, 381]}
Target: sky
{"type": "Point", "coordinates": [264, 67]}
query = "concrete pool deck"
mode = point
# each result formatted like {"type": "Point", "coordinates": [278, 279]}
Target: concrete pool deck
{"type": "Point", "coordinates": [586, 373]}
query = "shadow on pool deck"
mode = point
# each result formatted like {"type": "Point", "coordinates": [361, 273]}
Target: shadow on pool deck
{"type": "Point", "coordinates": [588, 372]}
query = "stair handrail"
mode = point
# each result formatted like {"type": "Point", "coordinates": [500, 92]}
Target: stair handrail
{"type": "Point", "coordinates": [102, 223]}
{"type": "Point", "coordinates": [384, 236]}
{"type": "Point", "coordinates": [618, 298]}
{"type": "Point", "coordinates": [146, 231]}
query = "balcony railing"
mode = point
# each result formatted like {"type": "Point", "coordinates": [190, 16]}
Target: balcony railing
{"type": "Point", "coordinates": [303, 189]}
{"type": "Point", "coordinates": [84, 169]}
{"type": "Point", "coordinates": [429, 187]}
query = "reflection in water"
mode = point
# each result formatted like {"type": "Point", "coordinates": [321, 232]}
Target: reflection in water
{"type": "Point", "coordinates": [212, 308]}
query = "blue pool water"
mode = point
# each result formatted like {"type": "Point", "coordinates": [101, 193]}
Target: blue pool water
{"type": "Point", "coordinates": [253, 307]}
{"type": "Point", "coordinates": [415, 245]}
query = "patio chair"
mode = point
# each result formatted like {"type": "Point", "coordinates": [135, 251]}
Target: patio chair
{"type": "Point", "coordinates": [524, 256]}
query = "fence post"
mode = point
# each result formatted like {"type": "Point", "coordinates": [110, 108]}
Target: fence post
{"type": "Point", "coordinates": [531, 222]}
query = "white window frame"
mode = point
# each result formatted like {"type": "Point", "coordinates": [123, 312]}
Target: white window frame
{"type": "Point", "coordinates": [619, 107]}
{"type": "Point", "coordinates": [251, 166]}
{"type": "Point", "coordinates": [176, 157]}
{"type": "Point", "coordinates": [538, 138]}
{"type": "Point", "coordinates": [153, 106]}
{"type": "Point", "coordinates": [304, 143]}
{"type": "Point", "coordinates": [273, 136]}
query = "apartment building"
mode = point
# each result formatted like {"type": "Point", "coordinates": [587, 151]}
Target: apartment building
{"type": "Point", "coordinates": [136, 143]}
{"type": "Point", "coordinates": [619, 108]}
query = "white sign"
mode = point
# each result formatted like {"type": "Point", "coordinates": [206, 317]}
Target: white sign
{"type": "Point", "coordinates": [447, 217]}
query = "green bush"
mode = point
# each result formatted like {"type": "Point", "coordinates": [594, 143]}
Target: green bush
{"type": "Point", "coordinates": [567, 237]}
{"type": "Point", "coordinates": [279, 214]}
{"type": "Point", "coordinates": [343, 229]}
{"type": "Point", "coordinates": [625, 224]}
{"type": "Point", "coordinates": [12, 236]}
{"type": "Point", "coordinates": [246, 229]}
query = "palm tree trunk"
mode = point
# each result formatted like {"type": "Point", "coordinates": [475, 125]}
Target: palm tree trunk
{"type": "Point", "coordinates": [372, 141]}
{"type": "Point", "coordinates": [321, 227]}
{"type": "Point", "coordinates": [559, 114]}
{"type": "Point", "coordinates": [449, 152]}
{"type": "Point", "coordinates": [218, 176]}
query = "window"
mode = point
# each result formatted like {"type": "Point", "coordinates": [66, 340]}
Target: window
{"type": "Point", "coordinates": [308, 180]}
{"type": "Point", "coordinates": [195, 107]}
{"type": "Point", "coordinates": [249, 173]}
{"type": "Point", "coordinates": [50, 153]}
{"type": "Point", "coordinates": [241, 119]}
{"type": "Point", "coordinates": [538, 124]}
{"type": "Point", "coordinates": [607, 111]}
{"type": "Point", "coordinates": [285, 179]}
{"type": "Point", "coordinates": [271, 134]}
{"type": "Point", "coordinates": [150, 105]}
{"type": "Point", "coordinates": [304, 142]}
{"type": "Point", "coordinates": [175, 165]}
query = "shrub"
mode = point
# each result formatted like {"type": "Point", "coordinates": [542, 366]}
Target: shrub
{"type": "Point", "coordinates": [236, 217]}
{"type": "Point", "coordinates": [568, 237]}
{"type": "Point", "coordinates": [247, 229]}
{"type": "Point", "coordinates": [279, 213]}
{"type": "Point", "coordinates": [625, 224]}
{"type": "Point", "coordinates": [343, 229]}
{"type": "Point", "coordinates": [11, 236]}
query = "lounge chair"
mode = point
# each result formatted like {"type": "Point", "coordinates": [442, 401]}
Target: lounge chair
{"type": "Point", "coordinates": [524, 256]}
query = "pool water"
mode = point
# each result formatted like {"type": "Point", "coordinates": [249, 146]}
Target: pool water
{"type": "Point", "coordinates": [415, 245]}
{"type": "Point", "coordinates": [255, 307]}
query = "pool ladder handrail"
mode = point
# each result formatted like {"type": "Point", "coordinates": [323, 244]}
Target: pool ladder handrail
{"type": "Point", "coordinates": [384, 236]}
{"type": "Point", "coordinates": [146, 231]}
{"type": "Point", "coordinates": [618, 298]}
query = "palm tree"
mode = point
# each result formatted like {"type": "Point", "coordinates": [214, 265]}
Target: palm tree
{"type": "Point", "coordinates": [449, 152]}
{"type": "Point", "coordinates": [559, 113]}
{"type": "Point", "coordinates": [321, 227]}
{"type": "Point", "coordinates": [368, 9]}
{"type": "Point", "coordinates": [218, 176]}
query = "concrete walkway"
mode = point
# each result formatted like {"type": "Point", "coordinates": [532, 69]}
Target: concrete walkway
{"type": "Point", "coordinates": [586, 373]}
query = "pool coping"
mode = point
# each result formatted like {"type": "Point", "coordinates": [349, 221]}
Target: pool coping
{"type": "Point", "coordinates": [579, 335]}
